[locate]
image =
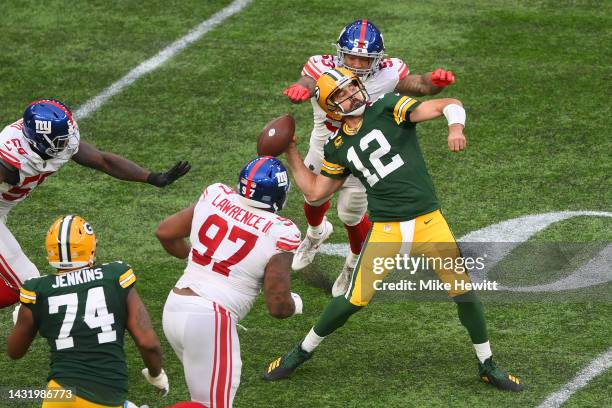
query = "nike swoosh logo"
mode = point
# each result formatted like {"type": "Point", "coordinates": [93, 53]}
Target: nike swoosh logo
{"type": "Point", "coordinates": [428, 221]}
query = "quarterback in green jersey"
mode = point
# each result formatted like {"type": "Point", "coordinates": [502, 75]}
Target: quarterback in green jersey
{"type": "Point", "coordinates": [83, 311]}
{"type": "Point", "coordinates": [377, 143]}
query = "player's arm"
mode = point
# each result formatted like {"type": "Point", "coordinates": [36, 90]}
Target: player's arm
{"type": "Point", "coordinates": [172, 233]}
{"type": "Point", "coordinates": [430, 83]}
{"type": "Point", "coordinates": [280, 301]}
{"type": "Point", "coordinates": [455, 114]}
{"type": "Point", "coordinates": [140, 328]}
{"type": "Point", "coordinates": [124, 169]}
{"type": "Point", "coordinates": [8, 173]}
{"type": "Point", "coordinates": [315, 187]}
{"type": "Point", "coordinates": [301, 90]}
{"type": "Point", "coordinates": [22, 335]}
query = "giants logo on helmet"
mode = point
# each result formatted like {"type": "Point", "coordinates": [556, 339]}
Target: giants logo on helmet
{"type": "Point", "coordinates": [282, 178]}
{"type": "Point", "coordinates": [43, 127]}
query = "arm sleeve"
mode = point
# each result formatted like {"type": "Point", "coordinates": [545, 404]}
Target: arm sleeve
{"type": "Point", "coordinates": [333, 166]}
{"type": "Point", "coordinates": [124, 275]}
{"type": "Point", "coordinates": [287, 236]}
{"type": "Point", "coordinates": [400, 107]}
{"type": "Point", "coordinates": [318, 64]}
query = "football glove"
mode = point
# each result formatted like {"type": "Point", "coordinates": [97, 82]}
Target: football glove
{"type": "Point", "coordinates": [442, 78]}
{"type": "Point", "coordinates": [297, 93]}
{"type": "Point", "coordinates": [160, 382]}
{"type": "Point", "coordinates": [163, 179]}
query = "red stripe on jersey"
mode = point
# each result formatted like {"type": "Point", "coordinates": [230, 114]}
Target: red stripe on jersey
{"type": "Point", "coordinates": [310, 72]}
{"type": "Point", "coordinates": [256, 167]}
{"type": "Point", "coordinates": [18, 125]}
{"type": "Point", "coordinates": [313, 65]}
{"type": "Point", "coordinates": [403, 71]}
{"type": "Point", "coordinates": [10, 159]}
{"type": "Point", "coordinates": [214, 371]}
{"type": "Point", "coordinates": [289, 240]}
{"type": "Point", "coordinates": [364, 25]}
{"type": "Point", "coordinates": [285, 246]}
{"type": "Point", "coordinates": [330, 127]}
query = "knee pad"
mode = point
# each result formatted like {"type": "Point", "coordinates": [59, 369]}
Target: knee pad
{"type": "Point", "coordinates": [352, 205]}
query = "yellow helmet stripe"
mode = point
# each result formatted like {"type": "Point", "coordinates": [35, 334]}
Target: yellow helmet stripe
{"type": "Point", "coordinates": [64, 239]}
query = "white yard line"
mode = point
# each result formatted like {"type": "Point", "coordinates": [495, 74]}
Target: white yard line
{"type": "Point", "coordinates": [162, 57]}
{"type": "Point", "coordinates": [598, 366]}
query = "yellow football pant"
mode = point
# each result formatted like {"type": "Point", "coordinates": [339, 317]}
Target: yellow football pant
{"type": "Point", "coordinates": [77, 402]}
{"type": "Point", "coordinates": [427, 235]}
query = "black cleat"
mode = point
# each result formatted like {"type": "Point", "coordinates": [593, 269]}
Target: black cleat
{"type": "Point", "coordinates": [492, 374]}
{"type": "Point", "coordinates": [283, 366]}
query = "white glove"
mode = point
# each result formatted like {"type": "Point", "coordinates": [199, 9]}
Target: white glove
{"type": "Point", "coordinates": [16, 314]}
{"type": "Point", "coordinates": [160, 382]}
{"type": "Point", "coordinates": [299, 305]}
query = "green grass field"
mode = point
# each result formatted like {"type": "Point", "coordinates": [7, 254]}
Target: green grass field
{"type": "Point", "coordinates": [534, 77]}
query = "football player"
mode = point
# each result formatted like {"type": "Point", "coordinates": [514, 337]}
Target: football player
{"type": "Point", "coordinates": [32, 149]}
{"type": "Point", "coordinates": [359, 48]}
{"type": "Point", "coordinates": [239, 245]}
{"type": "Point", "coordinates": [83, 311]}
{"type": "Point", "coordinates": [377, 143]}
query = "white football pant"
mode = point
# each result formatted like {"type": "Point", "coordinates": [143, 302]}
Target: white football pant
{"type": "Point", "coordinates": [203, 336]}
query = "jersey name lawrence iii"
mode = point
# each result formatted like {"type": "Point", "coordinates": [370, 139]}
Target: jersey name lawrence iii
{"type": "Point", "coordinates": [83, 315]}
{"type": "Point", "coordinates": [386, 157]}
{"type": "Point", "coordinates": [232, 243]}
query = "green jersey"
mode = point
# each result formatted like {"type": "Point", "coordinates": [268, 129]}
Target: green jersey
{"type": "Point", "coordinates": [83, 314]}
{"type": "Point", "coordinates": [386, 157]}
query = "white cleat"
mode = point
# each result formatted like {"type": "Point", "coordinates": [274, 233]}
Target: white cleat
{"type": "Point", "coordinates": [310, 245]}
{"type": "Point", "coordinates": [343, 280]}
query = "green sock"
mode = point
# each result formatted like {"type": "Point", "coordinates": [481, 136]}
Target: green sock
{"type": "Point", "coordinates": [471, 315]}
{"type": "Point", "coordinates": [336, 313]}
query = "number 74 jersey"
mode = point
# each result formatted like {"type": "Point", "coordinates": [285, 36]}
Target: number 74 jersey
{"type": "Point", "coordinates": [232, 243]}
{"type": "Point", "coordinates": [386, 157]}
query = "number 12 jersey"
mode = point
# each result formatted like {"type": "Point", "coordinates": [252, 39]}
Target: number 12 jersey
{"type": "Point", "coordinates": [386, 157]}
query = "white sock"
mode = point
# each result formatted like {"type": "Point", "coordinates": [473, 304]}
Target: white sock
{"type": "Point", "coordinates": [311, 341]}
{"type": "Point", "coordinates": [351, 260]}
{"type": "Point", "coordinates": [483, 351]}
{"type": "Point", "coordinates": [317, 230]}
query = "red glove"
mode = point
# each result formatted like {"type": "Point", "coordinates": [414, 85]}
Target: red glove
{"type": "Point", "coordinates": [297, 93]}
{"type": "Point", "coordinates": [442, 78]}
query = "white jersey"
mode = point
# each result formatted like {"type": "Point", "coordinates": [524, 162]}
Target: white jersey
{"type": "Point", "coordinates": [232, 243]}
{"type": "Point", "coordinates": [390, 72]}
{"type": "Point", "coordinates": [33, 170]}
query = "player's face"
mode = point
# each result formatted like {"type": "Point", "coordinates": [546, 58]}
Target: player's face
{"type": "Point", "coordinates": [349, 98]}
{"type": "Point", "coordinates": [357, 62]}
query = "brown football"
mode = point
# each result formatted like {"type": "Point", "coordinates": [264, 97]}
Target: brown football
{"type": "Point", "coordinates": [276, 136]}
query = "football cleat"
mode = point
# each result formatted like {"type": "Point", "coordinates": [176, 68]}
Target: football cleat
{"type": "Point", "coordinates": [491, 374]}
{"type": "Point", "coordinates": [311, 244]}
{"type": "Point", "coordinates": [343, 280]}
{"type": "Point", "coordinates": [283, 366]}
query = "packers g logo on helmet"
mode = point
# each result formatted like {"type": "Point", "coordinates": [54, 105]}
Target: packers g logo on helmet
{"type": "Point", "coordinates": [329, 83]}
{"type": "Point", "coordinates": [71, 243]}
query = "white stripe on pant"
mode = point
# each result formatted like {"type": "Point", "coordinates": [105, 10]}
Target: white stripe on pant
{"type": "Point", "coordinates": [203, 336]}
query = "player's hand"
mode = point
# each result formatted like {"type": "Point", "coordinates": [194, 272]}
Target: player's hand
{"type": "Point", "coordinates": [456, 140]}
{"type": "Point", "coordinates": [297, 93]}
{"type": "Point", "coordinates": [297, 301]}
{"type": "Point", "coordinates": [160, 382]}
{"type": "Point", "coordinates": [163, 179]}
{"type": "Point", "coordinates": [442, 78]}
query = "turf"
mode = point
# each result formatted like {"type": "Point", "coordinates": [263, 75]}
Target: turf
{"type": "Point", "coordinates": [534, 77]}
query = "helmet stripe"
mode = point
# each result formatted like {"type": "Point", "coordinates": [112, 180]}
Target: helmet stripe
{"type": "Point", "coordinates": [335, 74]}
{"type": "Point", "coordinates": [57, 105]}
{"type": "Point", "coordinates": [64, 241]}
{"type": "Point", "coordinates": [362, 33]}
{"type": "Point", "coordinates": [256, 167]}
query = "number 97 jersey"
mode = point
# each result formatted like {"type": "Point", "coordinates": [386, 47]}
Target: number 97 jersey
{"type": "Point", "coordinates": [232, 243]}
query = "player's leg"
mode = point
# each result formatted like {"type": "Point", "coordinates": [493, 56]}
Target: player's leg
{"type": "Point", "coordinates": [211, 356]}
{"type": "Point", "coordinates": [319, 229]}
{"type": "Point", "coordinates": [434, 239]}
{"type": "Point", "coordinates": [352, 208]}
{"type": "Point", "coordinates": [15, 267]}
{"type": "Point", "coordinates": [384, 241]}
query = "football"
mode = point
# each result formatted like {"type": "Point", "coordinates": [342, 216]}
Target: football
{"type": "Point", "coordinates": [276, 136]}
